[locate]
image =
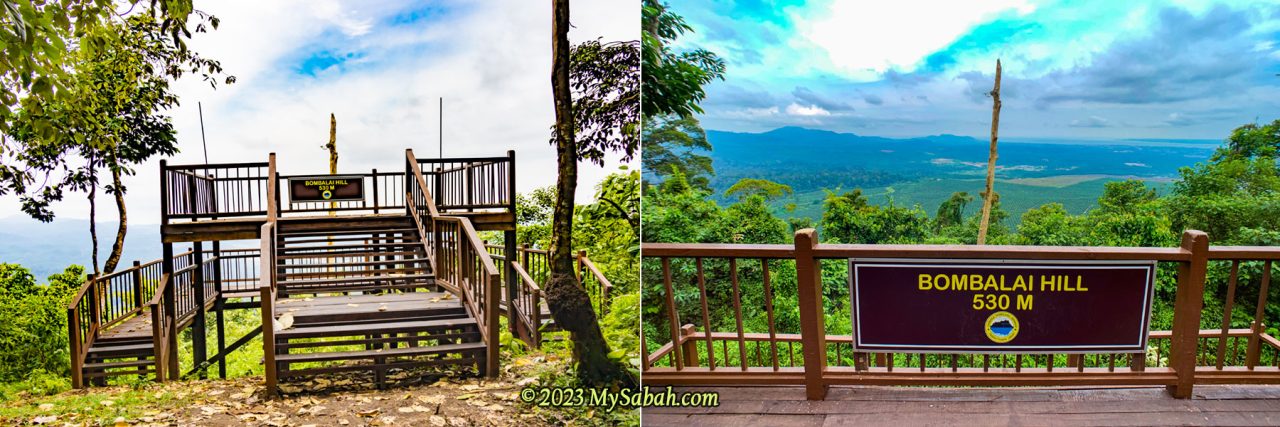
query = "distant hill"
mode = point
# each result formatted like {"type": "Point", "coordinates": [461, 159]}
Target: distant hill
{"type": "Point", "coordinates": [48, 248]}
{"type": "Point", "coordinates": [925, 170]}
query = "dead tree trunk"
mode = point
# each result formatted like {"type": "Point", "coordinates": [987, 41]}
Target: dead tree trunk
{"type": "Point", "coordinates": [991, 161]}
{"type": "Point", "coordinates": [570, 306]}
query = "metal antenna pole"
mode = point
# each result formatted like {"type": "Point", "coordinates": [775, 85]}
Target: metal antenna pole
{"type": "Point", "coordinates": [202, 140]}
{"type": "Point", "coordinates": [442, 127]}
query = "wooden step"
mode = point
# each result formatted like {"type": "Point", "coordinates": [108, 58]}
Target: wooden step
{"type": "Point", "coordinates": [307, 331]}
{"type": "Point", "coordinates": [342, 231]}
{"type": "Point", "coordinates": [469, 347]}
{"type": "Point", "coordinates": [114, 365]}
{"type": "Point", "coordinates": [358, 279]}
{"type": "Point", "coordinates": [350, 273]}
{"type": "Point", "coordinates": [330, 248]}
{"type": "Point", "coordinates": [336, 254]}
{"type": "Point", "coordinates": [356, 264]}
{"type": "Point", "coordinates": [402, 237]}
{"type": "Point", "coordinates": [130, 350]}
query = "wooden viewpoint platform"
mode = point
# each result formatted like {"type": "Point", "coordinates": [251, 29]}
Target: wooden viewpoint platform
{"type": "Point", "coordinates": [1236, 405]}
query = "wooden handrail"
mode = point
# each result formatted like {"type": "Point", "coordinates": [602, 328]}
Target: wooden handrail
{"type": "Point", "coordinates": [422, 184]}
{"type": "Point", "coordinates": [591, 266]}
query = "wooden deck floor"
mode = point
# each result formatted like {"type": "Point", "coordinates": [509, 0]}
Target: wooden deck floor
{"type": "Point", "coordinates": [900, 406]}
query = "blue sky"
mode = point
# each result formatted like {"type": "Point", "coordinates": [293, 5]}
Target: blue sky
{"type": "Point", "coordinates": [1071, 69]}
{"type": "Point", "coordinates": [380, 67]}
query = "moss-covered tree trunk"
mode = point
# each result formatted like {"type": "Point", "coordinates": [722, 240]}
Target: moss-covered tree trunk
{"type": "Point", "coordinates": [569, 303]}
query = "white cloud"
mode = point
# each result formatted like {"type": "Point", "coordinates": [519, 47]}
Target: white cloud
{"type": "Point", "coordinates": [868, 38]}
{"type": "Point", "coordinates": [809, 111]}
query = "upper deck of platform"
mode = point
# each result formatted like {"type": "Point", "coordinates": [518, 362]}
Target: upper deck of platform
{"type": "Point", "coordinates": [227, 201]}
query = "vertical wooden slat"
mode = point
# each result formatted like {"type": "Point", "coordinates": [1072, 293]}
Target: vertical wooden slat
{"type": "Point", "coordinates": [672, 315]}
{"type": "Point", "coordinates": [1258, 326]}
{"type": "Point", "coordinates": [1226, 312]}
{"type": "Point", "coordinates": [737, 311]}
{"type": "Point", "coordinates": [706, 315]}
{"type": "Point", "coordinates": [768, 306]}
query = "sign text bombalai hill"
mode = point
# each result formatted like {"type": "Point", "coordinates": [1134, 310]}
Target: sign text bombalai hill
{"type": "Point", "coordinates": [981, 306]}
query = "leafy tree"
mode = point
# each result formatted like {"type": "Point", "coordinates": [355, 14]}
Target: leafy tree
{"type": "Point", "coordinates": [751, 221]}
{"type": "Point", "coordinates": [607, 128]}
{"type": "Point", "coordinates": [766, 189]}
{"type": "Point", "coordinates": [848, 218]}
{"type": "Point", "coordinates": [672, 143]}
{"type": "Point", "coordinates": [112, 120]}
{"type": "Point", "coordinates": [672, 81]}
{"type": "Point", "coordinates": [1125, 197]}
{"type": "Point", "coordinates": [1051, 225]}
{"type": "Point", "coordinates": [1237, 188]}
{"type": "Point", "coordinates": [674, 211]}
{"type": "Point", "coordinates": [951, 211]}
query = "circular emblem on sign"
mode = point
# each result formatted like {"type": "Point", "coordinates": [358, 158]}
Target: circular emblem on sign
{"type": "Point", "coordinates": [326, 194]}
{"type": "Point", "coordinates": [1001, 327]}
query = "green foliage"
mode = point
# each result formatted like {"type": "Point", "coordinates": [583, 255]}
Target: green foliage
{"type": "Point", "coordinates": [766, 189]}
{"type": "Point", "coordinates": [850, 219]}
{"type": "Point", "coordinates": [672, 81]}
{"type": "Point", "coordinates": [108, 113]}
{"type": "Point", "coordinates": [33, 335]}
{"type": "Point", "coordinates": [533, 217]}
{"type": "Point", "coordinates": [951, 212]}
{"type": "Point", "coordinates": [1238, 188]}
{"type": "Point", "coordinates": [672, 143]}
{"type": "Point", "coordinates": [605, 78]}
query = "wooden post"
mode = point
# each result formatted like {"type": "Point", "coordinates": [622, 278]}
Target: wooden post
{"type": "Point", "coordinates": [689, 347]}
{"type": "Point", "coordinates": [170, 307]}
{"type": "Point", "coordinates": [509, 257]}
{"type": "Point", "coordinates": [219, 306]}
{"type": "Point", "coordinates": [375, 191]}
{"type": "Point", "coordinates": [199, 336]}
{"type": "Point", "coordinates": [137, 284]}
{"type": "Point", "coordinates": [95, 307]}
{"type": "Point", "coordinates": [1187, 304]}
{"type": "Point", "coordinates": [77, 365]}
{"type": "Point", "coordinates": [813, 332]}
{"type": "Point", "coordinates": [988, 196]}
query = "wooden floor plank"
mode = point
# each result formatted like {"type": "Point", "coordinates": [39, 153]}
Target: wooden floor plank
{"type": "Point", "coordinates": [900, 406]}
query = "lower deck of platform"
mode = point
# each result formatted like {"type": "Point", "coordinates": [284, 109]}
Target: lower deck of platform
{"type": "Point", "coordinates": [910, 406]}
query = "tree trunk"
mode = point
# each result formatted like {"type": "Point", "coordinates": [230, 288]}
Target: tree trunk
{"type": "Point", "coordinates": [570, 306]}
{"type": "Point", "coordinates": [991, 161]}
{"type": "Point", "coordinates": [117, 248]}
{"type": "Point", "coordinates": [333, 156]}
{"type": "Point", "coordinates": [93, 217]}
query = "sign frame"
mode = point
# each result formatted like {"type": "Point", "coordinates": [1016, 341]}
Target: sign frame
{"type": "Point", "coordinates": [355, 180]}
{"type": "Point", "coordinates": [1140, 346]}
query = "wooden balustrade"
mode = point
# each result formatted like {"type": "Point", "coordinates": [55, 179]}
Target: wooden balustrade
{"type": "Point", "coordinates": [765, 321]}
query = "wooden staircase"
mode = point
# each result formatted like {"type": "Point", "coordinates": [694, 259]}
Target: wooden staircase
{"type": "Point", "coordinates": [358, 294]}
{"type": "Point", "coordinates": [119, 356]}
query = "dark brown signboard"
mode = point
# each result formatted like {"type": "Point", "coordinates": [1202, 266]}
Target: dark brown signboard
{"type": "Point", "coordinates": [326, 188]}
{"type": "Point", "coordinates": [986, 306]}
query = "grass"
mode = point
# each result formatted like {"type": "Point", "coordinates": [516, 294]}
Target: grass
{"type": "Point", "coordinates": [95, 406]}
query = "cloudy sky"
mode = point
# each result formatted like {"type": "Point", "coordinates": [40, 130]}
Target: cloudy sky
{"type": "Point", "coordinates": [380, 66]}
{"type": "Point", "coordinates": [1077, 69]}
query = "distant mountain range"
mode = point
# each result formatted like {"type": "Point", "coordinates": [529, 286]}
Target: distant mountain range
{"type": "Point", "coordinates": [925, 170]}
{"type": "Point", "coordinates": [48, 248]}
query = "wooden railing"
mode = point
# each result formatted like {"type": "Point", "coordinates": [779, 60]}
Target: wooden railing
{"type": "Point", "coordinates": [470, 183]}
{"type": "Point", "coordinates": [458, 258]}
{"type": "Point", "coordinates": [385, 193]}
{"type": "Point", "coordinates": [593, 281]}
{"type": "Point", "coordinates": [214, 190]}
{"type": "Point", "coordinates": [730, 333]}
